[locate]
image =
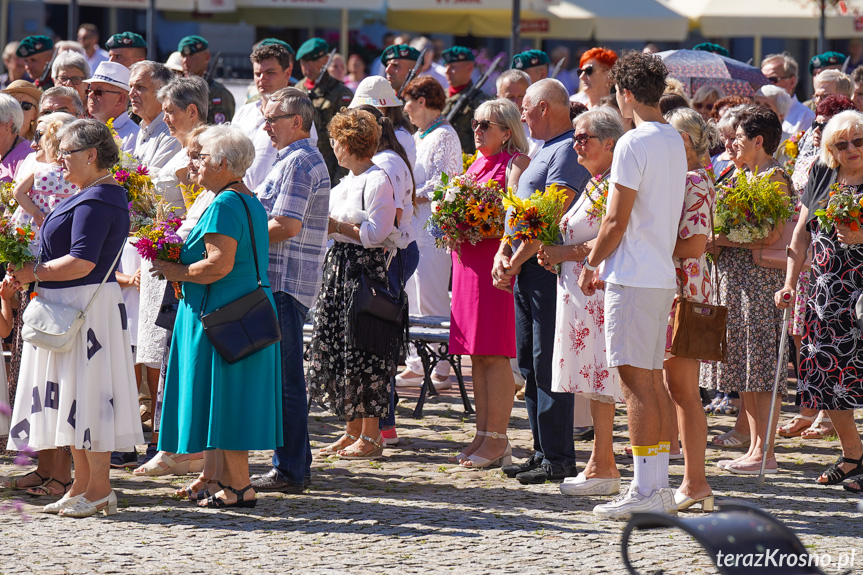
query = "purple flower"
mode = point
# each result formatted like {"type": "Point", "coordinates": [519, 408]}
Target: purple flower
{"type": "Point", "coordinates": [5, 409]}
{"type": "Point", "coordinates": [121, 176]}
{"type": "Point", "coordinates": [143, 170]}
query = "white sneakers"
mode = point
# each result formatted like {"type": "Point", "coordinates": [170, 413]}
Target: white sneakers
{"type": "Point", "coordinates": [622, 508]}
{"type": "Point", "coordinates": [580, 485]}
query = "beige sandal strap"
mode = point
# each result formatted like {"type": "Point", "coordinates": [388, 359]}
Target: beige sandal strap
{"type": "Point", "coordinates": [370, 440]}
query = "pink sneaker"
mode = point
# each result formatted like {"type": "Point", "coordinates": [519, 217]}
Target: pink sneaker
{"type": "Point", "coordinates": [390, 436]}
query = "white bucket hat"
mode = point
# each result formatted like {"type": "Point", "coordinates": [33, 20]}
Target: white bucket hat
{"type": "Point", "coordinates": [175, 62]}
{"type": "Point", "coordinates": [111, 73]}
{"type": "Point", "coordinates": [377, 92]}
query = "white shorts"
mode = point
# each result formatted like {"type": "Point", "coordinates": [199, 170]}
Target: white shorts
{"type": "Point", "coordinates": [636, 324]}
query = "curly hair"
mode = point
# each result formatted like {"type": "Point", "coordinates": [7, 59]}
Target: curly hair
{"type": "Point", "coordinates": [428, 88]}
{"type": "Point", "coordinates": [642, 74]}
{"type": "Point", "coordinates": [604, 56]}
{"type": "Point", "coordinates": [761, 121]}
{"type": "Point", "coordinates": [357, 131]}
{"type": "Point", "coordinates": [833, 104]}
{"type": "Point", "coordinates": [275, 51]}
{"type": "Point", "coordinates": [576, 109]}
{"type": "Point", "coordinates": [727, 102]}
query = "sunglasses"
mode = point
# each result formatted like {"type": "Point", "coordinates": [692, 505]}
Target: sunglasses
{"type": "Point", "coordinates": [702, 105]}
{"type": "Point", "coordinates": [842, 146]}
{"type": "Point", "coordinates": [818, 125]}
{"type": "Point", "coordinates": [587, 70]}
{"type": "Point", "coordinates": [98, 93]}
{"type": "Point", "coordinates": [581, 139]}
{"type": "Point", "coordinates": [777, 79]}
{"type": "Point", "coordinates": [27, 106]}
{"type": "Point", "coordinates": [74, 80]}
{"type": "Point", "coordinates": [483, 125]}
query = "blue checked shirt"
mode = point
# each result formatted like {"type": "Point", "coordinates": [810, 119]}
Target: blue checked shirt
{"type": "Point", "coordinates": [298, 186]}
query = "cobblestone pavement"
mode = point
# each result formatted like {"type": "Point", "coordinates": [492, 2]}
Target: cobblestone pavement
{"type": "Point", "coordinates": [415, 513]}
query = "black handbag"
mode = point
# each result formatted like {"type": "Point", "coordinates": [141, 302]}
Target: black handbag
{"type": "Point", "coordinates": [168, 310]}
{"type": "Point", "coordinates": [246, 325]}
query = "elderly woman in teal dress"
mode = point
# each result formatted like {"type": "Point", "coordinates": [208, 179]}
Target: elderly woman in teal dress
{"type": "Point", "coordinates": [210, 405]}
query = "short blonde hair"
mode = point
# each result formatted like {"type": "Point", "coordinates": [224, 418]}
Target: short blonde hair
{"type": "Point", "coordinates": [703, 135]}
{"type": "Point", "coordinates": [506, 113]}
{"type": "Point", "coordinates": [51, 126]}
{"type": "Point", "coordinates": [841, 124]}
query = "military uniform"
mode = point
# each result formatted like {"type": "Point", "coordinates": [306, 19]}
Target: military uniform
{"type": "Point", "coordinates": [32, 45]}
{"type": "Point", "coordinates": [328, 97]}
{"type": "Point", "coordinates": [221, 106]}
{"type": "Point", "coordinates": [461, 121]}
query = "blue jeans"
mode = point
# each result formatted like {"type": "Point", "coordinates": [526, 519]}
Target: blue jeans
{"type": "Point", "coordinates": [550, 414]}
{"type": "Point", "coordinates": [402, 267]}
{"type": "Point", "coordinates": [293, 460]}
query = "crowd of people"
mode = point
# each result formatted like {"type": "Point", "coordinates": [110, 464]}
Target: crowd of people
{"type": "Point", "coordinates": [314, 188]}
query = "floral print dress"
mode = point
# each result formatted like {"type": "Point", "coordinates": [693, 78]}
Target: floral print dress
{"type": "Point", "coordinates": [579, 364]}
{"type": "Point", "coordinates": [693, 277]}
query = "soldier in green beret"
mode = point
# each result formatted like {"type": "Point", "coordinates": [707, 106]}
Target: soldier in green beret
{"type": "Point", "coordinates": [126, 48]}
{"type": "Point", "coordinates": [37, 52]}
{"type": "Point", "coordinates": [398, 60]}
{"type": "Point", "coordinates": [328, 96]}
{"type": "Point", "coordinates": [534, 63]}
{"type": "Point", "coordinates": [459, 67]}
{"type": "Point", "coordinates": [711, 47]}
{"type": "Point", "coordinates": [195, 54]}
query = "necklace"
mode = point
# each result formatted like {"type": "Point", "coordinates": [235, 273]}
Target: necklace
{"type": "Point", "coordinates": [228, 185]}
{"type": "Point", "coordinates": [433, 125]}
{"type": "Point", "coordinates": [9, 151]}
{"type": "Point", "coordinates": [94, 182]}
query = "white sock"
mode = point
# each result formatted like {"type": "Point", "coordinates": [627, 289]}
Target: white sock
{"type": "Point", "coordinates": [646, 462]}
{"type": "Point", "coordinates": [662, 468]}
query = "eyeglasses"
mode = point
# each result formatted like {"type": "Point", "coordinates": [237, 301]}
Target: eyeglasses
{"type": "Point", "coordinates": [777, 79]}
{"type": "Point", "coordinates": [98, 93]}
{"type": "Point", "coordinates": [588, 70]}
{"type": "Point", "coordinates": [818, 125]}
{"type": "Point", "coordinates": [27, 106]}
{"type": "Point", "coordinates": [581, 139]}
{"type": "Point", "coordinates": [273, 119]}
{"type": "Point", "coordinates": [74, 80]}
{"type": "Point", "coordinates": [62, 154]}
{"type": "Point", "coordinates": [197, 159]}
{"type": "Point", "coordinates": [483, 125]}
{"type": "Point", "coordinates": [842, 146]}
{"type": "Point", "coordinates": [703, 105]}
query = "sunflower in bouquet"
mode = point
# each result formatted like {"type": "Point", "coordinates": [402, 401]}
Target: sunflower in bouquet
{"type": "Point", "coordinates": [537, 217]}
{"type": "Point", "coordinates": [750, 207]}
{"type": "Point", "coordinates": [464, 210]}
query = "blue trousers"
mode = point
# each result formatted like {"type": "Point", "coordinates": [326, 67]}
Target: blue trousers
{"type": "Point", "coordinates": [550, 414]}
{"type": "Point", "coordinates": [293, 459]}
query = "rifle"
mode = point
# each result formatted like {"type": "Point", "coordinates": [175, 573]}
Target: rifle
{"type": "Point", "coordinates": [557, 67]}
{"type": "Point", "coordinates": [467, 95]}
{"type": "Point", "coordinates": [46, 73]}
{"type": "Point", "coordinates": [413, 72]}
{"type": "Point", "coordinates": [327, 65]}
{"type": "Point", "coordinates": [211, 67]}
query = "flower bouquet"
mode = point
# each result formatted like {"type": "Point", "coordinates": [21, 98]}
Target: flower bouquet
{"type": "Point", "coordinates": [15, 243]}
{"type": "Point", "coordinates": [750, 208]}
{"type": "Point", "coordinates": [597, 195]}
{"type": "Point", "coordinates": [7, 197]}
{"type": "Point", "coordinates": [537, 217]}
{"type": "Point", "coordinates": [190, 193]}
{"type": "Point", "coordinates": [467, 160]}
{"type": "Point", "coordinates": [159, 241]}
{"type": "Point", "coordinates": [464, 210]}
{"type": "Point", "coordinates": [843, 206]}
{"type": "Point", "coordinates": [791, 150]}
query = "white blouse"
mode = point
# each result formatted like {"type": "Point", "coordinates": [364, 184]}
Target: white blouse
{"type": "Point", "coordinates": [368, 200]}
{"type": "Point", "coordinates": [400, 177]}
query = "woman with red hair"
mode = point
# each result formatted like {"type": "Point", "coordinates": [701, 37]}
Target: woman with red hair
{"type": "Point", "coordinates": [593, 76]}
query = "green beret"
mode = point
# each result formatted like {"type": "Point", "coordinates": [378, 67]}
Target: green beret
{"type": "Point", "coordinates": [126, 40]}
{"type": "Point", "coordinates": [401, 52]}
{"type": "Point", "coordinates": [312, 49]}
{"type": "Point", "coordinates": [192, 45]}
{"type": "Point", "coordinates": [458, 54]}
{"type": "Point", "coordinates": [711, 47]}
{"type": "Point", "coordinates": [34, 45]}
{"type": "Point", "coordinates": [276, 42]}
{"type": "Point", "coordinates": [826, 59]}
{"type": "Point", "coordinates": [530, 59]}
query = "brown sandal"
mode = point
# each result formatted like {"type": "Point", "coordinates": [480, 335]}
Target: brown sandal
{"type": "Point", "coordinates": [12, 483]}
{"type": "Point", "coordinates": [42, 490]}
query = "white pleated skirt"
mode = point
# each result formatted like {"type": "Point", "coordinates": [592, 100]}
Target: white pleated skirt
{"type": "Point", "coordinates": [85, 398]}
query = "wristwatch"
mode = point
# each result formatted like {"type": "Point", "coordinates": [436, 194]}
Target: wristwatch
{"type": "Point", "coordinates": [587, 266]}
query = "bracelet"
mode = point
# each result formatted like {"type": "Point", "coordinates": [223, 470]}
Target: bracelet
{"type": "Point", "coordinates": [34, 273]}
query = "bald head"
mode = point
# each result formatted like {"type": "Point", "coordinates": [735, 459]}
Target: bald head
{"type": "Point", "coordinates": [546, 109]}
{"type": "Point", "coordinates": [550, 91]}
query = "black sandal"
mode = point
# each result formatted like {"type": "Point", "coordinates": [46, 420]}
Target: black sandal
{"type": "Point", "coordinates": [42, 490]}
{"type": "Point", "coordinates": [216, 503]}
{"type": "Point", "coordinates": [858, 489]}
{"type": "Point", "coordinates": [13, 482]}
{"type": "Point", "coordinates": [835, 475]}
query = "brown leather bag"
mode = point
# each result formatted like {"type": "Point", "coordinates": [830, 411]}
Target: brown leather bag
{"type": "Point", "coordinates": [699, 330]}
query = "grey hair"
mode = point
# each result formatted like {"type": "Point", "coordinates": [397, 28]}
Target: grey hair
{"type": "Point", "coordinates": [731, 118]}
{"type": "Point", "coordinates": [94, 134]}
{"type": "Point", "coordinates": [842, 83]}
{"type": "Point", "coordinates": [505, 112]}
{"type": "Point", "coordinates": [512, 75]}
{"type": "Point", "coordinates": [293, 101]}
{"type": "Point", "coordinates": [707, 91]}
{"type": "Point", "coordinates": [69, 46]}
{"type": "Point", "coordinates": [185, 91]}
{"type": "Point", "coordinates": [603, 122]}
{"type": "Point", "coordinates": [229, 143]}
{"type": "Point", "coordinates": [10, 49]}
{"type": "Point", "coordinates": [64, 91]}
{"type": "Point", "coordinates": [160, 74]}
{"type": "Point", "coordinates": [551, 91]}
{"type": "Point", "coordinates": [69, 59]}
{"type": "Point", "coordinates": [10, 111]}
{"type": "Point", "coordinates": [703, 135]}
{"type": "Point", "coordinates": [843, 123]}
{"type": "Point", "coordinates": [789, 64]}
{"type": "Point", "coordinates": [778, 96]}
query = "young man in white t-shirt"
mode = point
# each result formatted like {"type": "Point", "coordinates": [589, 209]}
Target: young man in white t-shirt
{"type": "Point", "coordinates": [635, 246]}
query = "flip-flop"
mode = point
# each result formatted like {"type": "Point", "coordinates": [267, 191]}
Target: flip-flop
{"type": "Point", "coordinates": [785, 430]}
{"type": "Point", "coordinates": [42, 490]}
{"type": "Point", "coordinates": [12, 483]}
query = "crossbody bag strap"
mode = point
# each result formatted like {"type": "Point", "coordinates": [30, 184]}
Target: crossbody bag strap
{"type": "Point", "coordinates": [254, 249]}
{"type": "Point", "coordinates": [715, 253]}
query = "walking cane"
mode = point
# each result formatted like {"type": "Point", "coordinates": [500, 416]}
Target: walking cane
{"type": "Point", "coordinates": [786, 317]}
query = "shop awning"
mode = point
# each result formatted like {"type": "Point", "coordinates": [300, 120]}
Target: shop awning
{"type": "Point", "coordinates": [626, 20]}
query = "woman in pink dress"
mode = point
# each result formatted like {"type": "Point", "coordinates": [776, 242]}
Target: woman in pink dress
{"type": "Point", "coordinates": [483, 318]}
